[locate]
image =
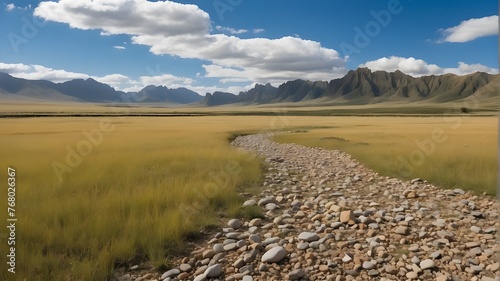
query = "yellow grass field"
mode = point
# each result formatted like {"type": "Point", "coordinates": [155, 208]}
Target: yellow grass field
{"type": "Point", "coordinates": [93, 193]}
{"type": "Point", "coordinates": [145, 185]}
{"type": "Point", "coordinates": [451, 152]}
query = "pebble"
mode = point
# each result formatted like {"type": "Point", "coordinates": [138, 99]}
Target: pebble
{"type": "Point", "coordinates": [171, 273]}
{"type": "Point", "coordinates": [250, 202]}
{"type": "Point", "coordinates": [368, 265]}
{"type": "Point", "coordinates": [234, 223]}
{"type": "Point", "coordinates": [412, 275]}
{"type": "Point", "coordinates": [308, 236]}
{"type": "Point", "coordinates": [428, 263]}
{"type": "Point", "coordinates": [326, 217]}
{"type": "Point", "coordinates": [347, 216]}
{"type": "Point", "coordinates": [347, 258]}
{"type": "Point", "coordinates": [295, 274]}
{"type": "Point", "coordinates": [201, 277]}
{"type": "Point", "coordinates": [213, 271]}
{"type": "Point", "coordinates": [275, 254]}
{"type": "Point", "coordinates": [403, 230]}
{"type": "Point", "coordinates": [185, 267]}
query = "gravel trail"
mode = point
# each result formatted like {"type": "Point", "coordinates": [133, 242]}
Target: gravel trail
{"type": "Point", "coordinates": [327, 217]}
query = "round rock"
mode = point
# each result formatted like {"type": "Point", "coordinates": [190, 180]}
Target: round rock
{"type": "Point", "coordinates": [368, 265]}
{"type": "Point", "coordinates": [170, 273]}
{"type": "Point", "coordinates": [234, 223]}
{"type": "Point", "coordinates": [275, 254]}
{"type": "Point", "coordinates": [250, 202]}
{"type": "Point", "coordinates": [296, 274]}
{"type": "Point", "coordinates": [426, 264]}
{"type": "Point", "coordinates": [213, 271]}
{"type": "Point", "coordinates": [308, 236]}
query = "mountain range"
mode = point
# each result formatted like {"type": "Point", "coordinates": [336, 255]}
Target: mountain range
{"type": "Point", "coordinates": [361, 86]}
{"type": "Point", "coordinates": [90, 90]}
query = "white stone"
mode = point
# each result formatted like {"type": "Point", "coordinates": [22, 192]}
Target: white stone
{"type": "Point", "coordinates": [426, 264]}
{"type": "Point", "coordinates": [308, 236]}
{"type": "Point", "coordinates": [275, 254]}
{"type": "Point", "coordinates": [170, 273]}
{"type": "Point", "coordinates": [250, 202]}
{"type": "Point", "coordinates": [234, 223]}
{"type": "Point", "coordinates": [213, 271]}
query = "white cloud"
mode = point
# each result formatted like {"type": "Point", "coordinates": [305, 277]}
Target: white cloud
{"type": "Point", "coordinates": [471, 29]}
{"type": "Point", "coordinates": [233, 80]}
{"type": "Point", "coordinates": [116, 81]}
{"type": "Point", "coordinates": [38, 72]}
{"type": "Point", "coordinates": [418, 67]}
{"type": "Point", "coordinates": [10, 7]}
{"type": "Point", "coordinates": [202, 90]}
{"type": "Point", "coordinates": [183, 30]}
{"type": "Point", "coordinates": [230, 30]}
{"type": "Point", "coordinates": [165, 79]}
{"type": "Point", "coordinates": [464, 68]}
{"type": "Point", "coordinates": [135, 17]}
{"type": "Point", "coordinates": [14, 68]}
{"type": "Point", "coordinates": [258, 30]}
{"type": "Point", "coordinates": [133, 88]}
{"type": "Point", "coordinates": [119, 47]}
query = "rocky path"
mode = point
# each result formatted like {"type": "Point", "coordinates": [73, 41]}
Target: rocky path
{"type": "Point", "coordinates": [329, 218]}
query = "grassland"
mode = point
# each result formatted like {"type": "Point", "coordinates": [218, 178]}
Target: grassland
{"type": "Point", "coordinates": [144, 185]}
{"type": "Point", "coordinates": [451, 152]}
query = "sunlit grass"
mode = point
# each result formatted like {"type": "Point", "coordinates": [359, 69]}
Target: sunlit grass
{"type": "Point", "coordinates": [147, 186]}
{"type": "Point", "coordinates": [152, 182]}
{"type": "Point", "coordinates": [452, 152]}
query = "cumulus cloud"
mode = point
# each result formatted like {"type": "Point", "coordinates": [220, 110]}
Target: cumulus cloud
{"type": "Point", "coordinates": [117, 81]}
{"type": "Point", "coordinates": [418, 67]}
{"type": "Point", "coordinates": [14, 68]}
{"type": "Point", "coordinates": [471, 29]}
{"type": "Point", "coordinates": [119, 47]}
{"type": "Point", "coordinates": [165, 79]}
{"type": "Point", "coordinates": [137, 17]}
{"type": "Point", "coordinates": [38, 72]}
{"type": "Point", "coordinates": [10, 7]}
{"type": "Point", "coordinates": [464, 68]}
{"type": "Point", "coordinates": [230, 30]}
{"type": "Point", "coordinates": [182, 30]}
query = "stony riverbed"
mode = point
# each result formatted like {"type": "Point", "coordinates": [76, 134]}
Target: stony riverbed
{"type": "Point", "coordinates": [329, 218]}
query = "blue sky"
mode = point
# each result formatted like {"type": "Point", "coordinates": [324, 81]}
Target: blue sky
{"type": "Point", "coordinates": [230, 45]}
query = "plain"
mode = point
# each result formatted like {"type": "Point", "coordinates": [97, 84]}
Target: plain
{"type": "Point", "coordinates": [152, 183]}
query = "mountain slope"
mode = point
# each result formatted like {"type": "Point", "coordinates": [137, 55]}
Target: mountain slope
{"type": "Point", "coordinates": [17, 88]}
{"type": "Point", "coordinates": [164, 94]}
{"type": "Point", "coordinates": [357, 87]}
{"type": "Point", "coordinates": [362, 86]}
{"type": "Point", "coordinates": [89, 90]}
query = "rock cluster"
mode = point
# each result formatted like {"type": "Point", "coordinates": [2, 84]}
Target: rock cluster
{"type": "Point", "coordinates": [329, 218]}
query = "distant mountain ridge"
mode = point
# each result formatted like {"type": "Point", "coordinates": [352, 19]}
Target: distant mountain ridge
{"type": "Point", "coordinates": [90, 90]}
{"type": "Point", "coordinates": [360, 86]}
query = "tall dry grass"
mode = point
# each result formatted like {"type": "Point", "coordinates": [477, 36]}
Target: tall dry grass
{"type": "Point", "coordinates": [122, 204]}
{"type": "Point", "coordinates": [452, 152]}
